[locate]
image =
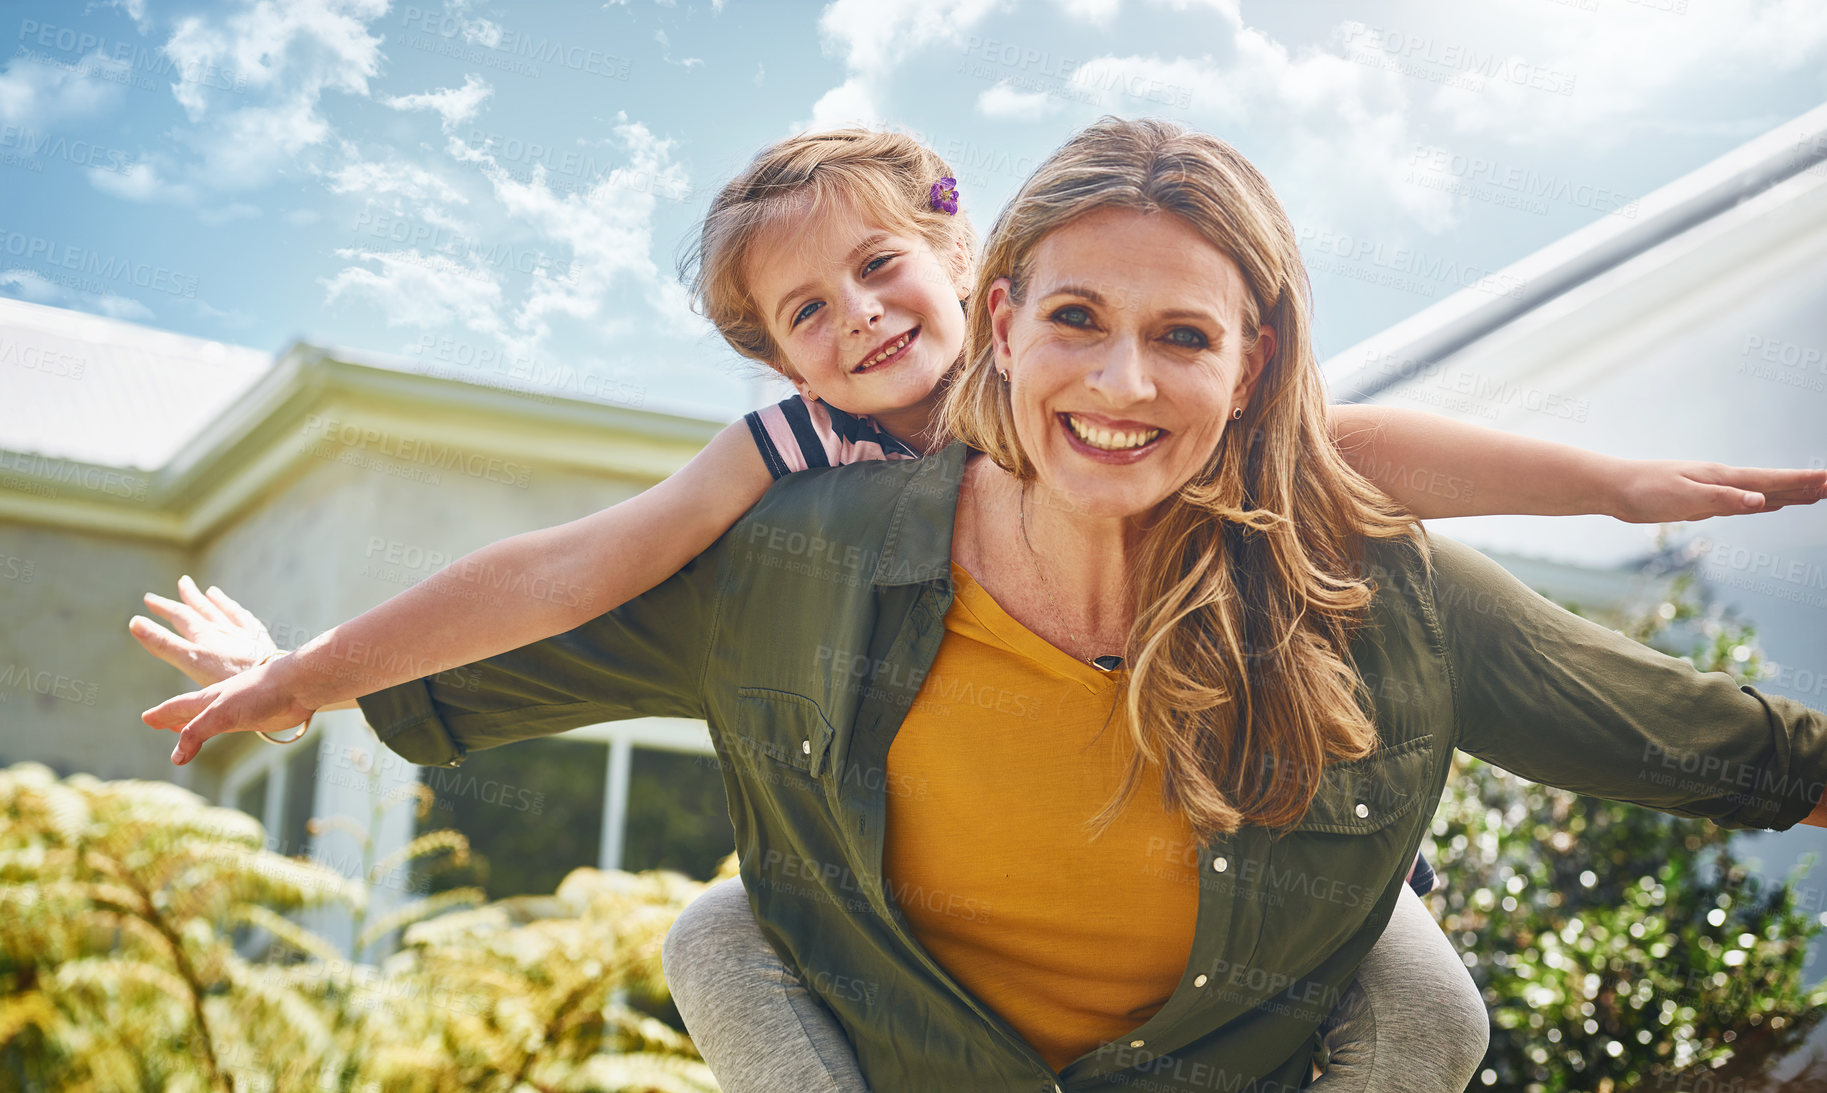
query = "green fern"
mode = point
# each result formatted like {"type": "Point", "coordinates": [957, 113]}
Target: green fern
{"type": "Point", "coordinates": [119, 903]}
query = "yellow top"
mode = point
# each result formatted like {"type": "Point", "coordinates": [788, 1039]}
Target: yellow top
{"type": "Point", "coordinates": [1010, 747]}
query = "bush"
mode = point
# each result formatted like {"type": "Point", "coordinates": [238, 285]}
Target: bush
{"type": "Point", "coordinates": [120, 902]}
{"type": "Point", "coordinates": [1620, 948]}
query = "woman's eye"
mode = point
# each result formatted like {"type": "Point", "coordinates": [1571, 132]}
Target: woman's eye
{"type": "Point", "coordinates": [1187, 338]}
{"type": "Point", "coordinates": [1071, 315]}
{"type": "Point", "coordinates": [806, 312]}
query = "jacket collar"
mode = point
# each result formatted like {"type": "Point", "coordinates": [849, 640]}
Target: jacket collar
{"type": "Point", "coordinates": [918, 548]}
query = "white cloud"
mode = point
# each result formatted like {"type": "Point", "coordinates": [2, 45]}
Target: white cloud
{"type": "Point", "coordinates": [1005, 103]}
{"type": "Point", "coordinates": [143, 181]}
{"type": "Point", "coordinates": [39, 92]}
{"type": "Point", "coordinates": [415, 289]}
{"type": "Point", "coordinates": [372, 179]}
{"type": "Point", "coordinates": [230, 319]}
{"type": "Point", "coordinates": [1317, 114]}
{"type": "Point", "coordinates": [606, 231]}
{"type": "Point", "coordinates": [666, 52]}
{"type": "Point", "coordinates": [482, 32]}
{"type": "Point", "coordinates": [1098, 13]}
{"type": "Point", "coordinates": [873, 37]}
{"type": "Point", "coordinates": [252, 83]}
{"type": "Point", "coordinates": [849, 103]}
{"type": "Point", "coordinates": [24, 284]}
{"type": "Point", "coordinates": [135, 10]}
{"type": "Point", "coordinates": [453, 104]}
{"type": "Point", "coordinates": [216, 216]}
{"type": "Point", "coordinates": [1612, 61]}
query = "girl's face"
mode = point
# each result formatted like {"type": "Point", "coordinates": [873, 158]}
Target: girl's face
{"type": "Point", "coordinates": [868, 319]}
{"type": "Point", "coordinates": [1127, 358]}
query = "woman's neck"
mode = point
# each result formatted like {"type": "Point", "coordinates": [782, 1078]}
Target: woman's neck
{"type": "Point", "coordinates": [1062, 573]}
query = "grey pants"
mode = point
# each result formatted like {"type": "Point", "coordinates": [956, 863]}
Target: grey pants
{"type": "Point", "coordinates": [1412, 1022]}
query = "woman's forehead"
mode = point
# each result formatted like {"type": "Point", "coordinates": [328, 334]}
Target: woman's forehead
{"type": "Point", "coordinates": [1151, 260]}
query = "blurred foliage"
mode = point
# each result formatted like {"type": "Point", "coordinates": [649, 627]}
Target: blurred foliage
{"type": "Point", "coordinates": [1619, 948]}
{"type": "Point", "coordinates": [119, 907]}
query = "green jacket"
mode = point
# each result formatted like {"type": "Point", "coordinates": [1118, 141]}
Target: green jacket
{"type": "Point", "coordinates": [804, 634]}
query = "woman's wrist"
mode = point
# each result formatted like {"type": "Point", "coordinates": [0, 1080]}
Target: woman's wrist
{"type": "Point", "coordinates": [278, 682]}
{"type": "Point", "coordinates": [289, 676]}
{"type": "Point", "coordinates": [1611, 490]}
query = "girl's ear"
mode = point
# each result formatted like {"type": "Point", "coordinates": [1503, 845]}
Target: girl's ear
{"type": "Point", "coordinates": [961, 268]}
{"type": "Point", "coordinates": [791, 375]}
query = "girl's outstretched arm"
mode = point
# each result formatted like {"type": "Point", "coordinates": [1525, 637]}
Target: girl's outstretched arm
{"type": "Point", "coordinates": [1437, 467]}
{"type": "Point", "coordinates": [501, 597]}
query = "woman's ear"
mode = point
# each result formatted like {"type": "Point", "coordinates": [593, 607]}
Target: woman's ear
{"type": "Point", "coordinates": [1254, 362]}
{"type": "Point", "coordinates": [1002, 315]}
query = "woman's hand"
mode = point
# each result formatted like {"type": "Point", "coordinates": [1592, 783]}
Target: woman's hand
{"type": "Point", "coordinates": [257, 700]}
{"type": "Point", "coordinates": [220, 637]}
{"type": "Point", "coordinates": [1654, 491]}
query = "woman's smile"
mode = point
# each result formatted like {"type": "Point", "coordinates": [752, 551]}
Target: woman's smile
{"type": "Point", "coordinates": [1108, 440]}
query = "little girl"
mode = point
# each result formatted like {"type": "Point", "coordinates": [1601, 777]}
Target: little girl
{"type": "Point", "coordinates": [841, 260]}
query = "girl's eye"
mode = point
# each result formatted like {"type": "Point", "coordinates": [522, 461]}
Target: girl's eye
{"type": "Point", "coordinates": [876, 263]}
{"type": "Point", "coordinates": [806, 312]}
{"type": "Point", "coordinates": [1187, 338]}
{"type": "Point", "coordinates": [1071, 315]}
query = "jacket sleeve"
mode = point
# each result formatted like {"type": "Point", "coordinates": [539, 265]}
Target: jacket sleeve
{"type": "Point", "coordinates": [644, 659]}
{"type": "Point", "coordinates": [1566, 702]}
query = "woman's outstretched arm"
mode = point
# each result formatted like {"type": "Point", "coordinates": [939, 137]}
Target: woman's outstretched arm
{"type": "Point", "coordinates": [552, 580]}
{"type": "Point", "coordinates": [1566, 702]}
{"type": "Point", "coordinates": [1437, 467]}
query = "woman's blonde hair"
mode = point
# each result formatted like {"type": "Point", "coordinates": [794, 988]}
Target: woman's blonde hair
{"type": "Point", "coordinates": [1250, 586]}
{"type": "Point", "coordinates": [885, 177]}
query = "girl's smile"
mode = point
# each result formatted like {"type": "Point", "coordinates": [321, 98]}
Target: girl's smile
{"type": "Point", "coordinates": [889, 354]}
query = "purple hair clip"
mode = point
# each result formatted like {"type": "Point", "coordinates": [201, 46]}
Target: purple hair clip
{"type": "Point", "coordinates": [945, 196]}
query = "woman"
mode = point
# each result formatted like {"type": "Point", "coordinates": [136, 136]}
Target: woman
{"type": "Point", "coordinates": [1147, 477]}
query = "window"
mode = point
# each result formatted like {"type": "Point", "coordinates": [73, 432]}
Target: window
{"type": "Point", "coordinates": [633, 795]}
{"type": "Point", "coordinates": [278, 788]}
{"type": "Point", "coordinates": [532, 813]}
{"type": "Point", "coordinates": [678, 815]}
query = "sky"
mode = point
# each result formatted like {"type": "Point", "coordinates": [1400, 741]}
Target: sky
{"type": "Point", "coordinates": [505, 189]}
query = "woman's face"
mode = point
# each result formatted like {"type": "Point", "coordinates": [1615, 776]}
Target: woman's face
{"type": "Point", "coordinates": [1126, 359]}
{"type": "Point", "coordinates": [869, 319]}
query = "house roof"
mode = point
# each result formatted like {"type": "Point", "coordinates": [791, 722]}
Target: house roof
{"type": "Point", "coordinates": [108, 392]}
{"type": "Point", "coordinates": [131, 431]}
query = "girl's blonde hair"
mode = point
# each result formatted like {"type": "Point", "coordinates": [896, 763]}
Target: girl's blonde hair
{"type": "Point", "coordinates": [1250, 586]}
{"type": "Point", "coordinates": [885, 177]}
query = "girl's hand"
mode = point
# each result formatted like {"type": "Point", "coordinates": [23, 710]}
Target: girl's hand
{"type": "Point", "coordinates": [257, 700]}
{"type": "Point", "coordinates": [221, 638]}
{"type": "Point", "coordinates": [1654, 491]}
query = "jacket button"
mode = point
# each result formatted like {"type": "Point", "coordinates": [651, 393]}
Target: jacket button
{"type": "Point", "coordinates": [1220, 864]}
{"type": "Point", "coordinates": [1363, 810]}
{"type": "Point", "coordinates": [805, 748]}
{"type": "Point", "coordinates": [1135, 1043]}
{"type": "Point", "coordinates": [1199, 981]}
